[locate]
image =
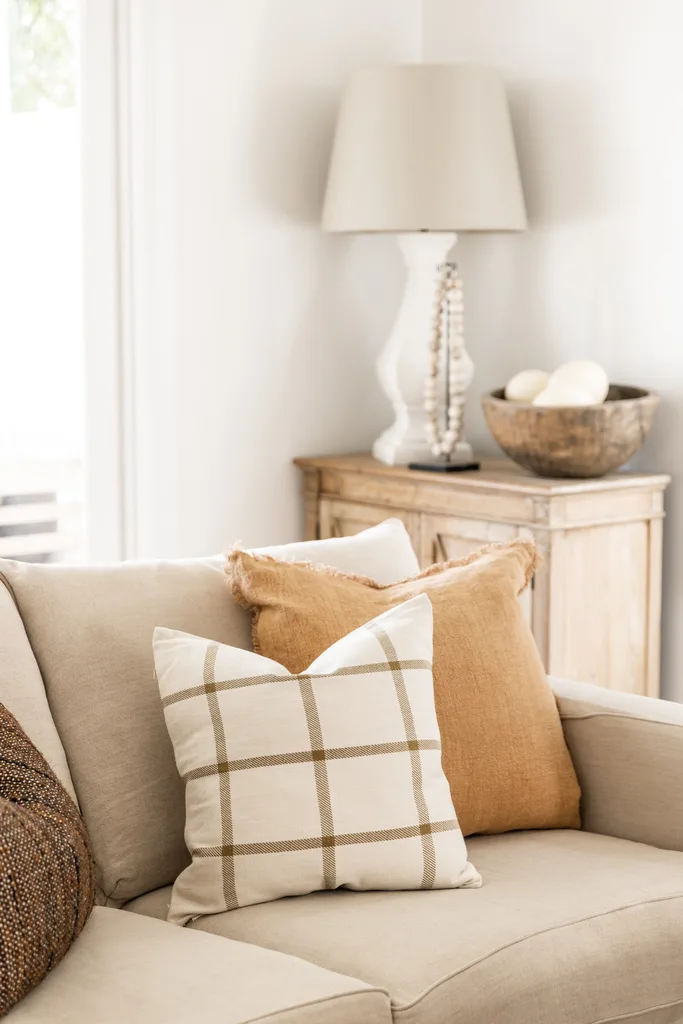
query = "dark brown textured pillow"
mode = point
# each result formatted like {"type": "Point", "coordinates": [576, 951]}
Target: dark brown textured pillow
{"type": "Point", "coordinates": [47, 877]}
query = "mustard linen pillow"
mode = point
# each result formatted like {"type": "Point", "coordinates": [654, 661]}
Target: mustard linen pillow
{"type": "Point", "coordinates": [503, 752]}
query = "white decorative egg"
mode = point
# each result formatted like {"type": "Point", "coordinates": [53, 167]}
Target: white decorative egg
{"type": "Point", "coordinates": [585, 375]}
{"type": "Point", "coordinates": [524, 386]}
{"type": "Point", "coordinates": [560, 394]}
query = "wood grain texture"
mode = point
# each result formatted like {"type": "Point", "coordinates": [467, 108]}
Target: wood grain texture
{"type": "Point", "coordinates": [595, 605]}
{"type": "Point", "coordinates": [497, 474]}
{"type": "Point", "coordinates": [311, 492]}
{"type": "Point", "coordinates": [654, 608]}
{"type": "Point", "coordinates": [599, 601]}
{"type": "Point", "coordinates": [583, 441]}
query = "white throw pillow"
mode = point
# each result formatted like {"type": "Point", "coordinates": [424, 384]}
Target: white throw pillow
{"type": "Point", "coordinates": [302, 782]}
{"type": "Point", "coordinates": [382, 552]}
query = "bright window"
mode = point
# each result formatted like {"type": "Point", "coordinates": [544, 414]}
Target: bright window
{"type": "Point", "coordinates": [41, 412]}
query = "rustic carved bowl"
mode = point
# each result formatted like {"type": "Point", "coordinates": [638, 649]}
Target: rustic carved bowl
{"type": "Point", "coordinates": [576, 441]}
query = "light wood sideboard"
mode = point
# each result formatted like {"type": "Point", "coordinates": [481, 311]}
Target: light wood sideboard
{"type": "Point", "coordinates": [594, 606]}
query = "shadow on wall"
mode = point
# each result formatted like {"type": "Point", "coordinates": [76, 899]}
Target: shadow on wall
{"type": "Point", "coordinates": [349, 290]}
{"type": "Point", "coordinates": [295, 107]}
{"type": "Point", "coordinates": [290, 150]}
{"type": "Point", "coordinates": [327, 302]}
{"type": "Point", "coordinates": [568, 181]}
{"type": "Point", "coordinates": [337, 325]}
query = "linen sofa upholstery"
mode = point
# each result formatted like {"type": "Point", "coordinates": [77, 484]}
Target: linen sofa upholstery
{"type": "Point", "coordinates": [568, 928]}
{"type": "Point", "coordinates": [91, 629]}
{"type": "Point", "coordinates": [138, 971]}
{"type": "Point", "coordinates": [22, 691]}
{"type": "Point", "coordinates": [628, 755]}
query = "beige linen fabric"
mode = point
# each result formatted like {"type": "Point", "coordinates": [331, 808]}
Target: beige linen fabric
{"type": "Point", "coordinates": [137, 971]}
{"type": "Point", "coordinates": [628, 753]}
{"type": "Point", "coordinates": [22, 691]}
{"type": "Point", "coordinates": [504, 752]}
{"type": "Point", "coordinates": [568, 928]}
{"type": "Point", "coordinates": [313, 781]}
{"type": "Point", "coordinates": [91, 628]}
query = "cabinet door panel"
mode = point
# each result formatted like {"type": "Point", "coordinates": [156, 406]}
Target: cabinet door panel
{"type": "Point", "coordinates": [448, 537]}
{"type": "Point", "coordinates": [344, 518]}
{"type": "Point", "coordinates": [599, 595]}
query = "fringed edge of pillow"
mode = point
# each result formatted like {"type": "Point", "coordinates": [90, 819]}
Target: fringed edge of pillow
{"type": "Point", "coordinates": [535, 560]}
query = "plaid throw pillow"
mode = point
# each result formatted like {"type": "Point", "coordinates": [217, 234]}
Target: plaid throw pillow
{"type": "Point", "coordinates": [313, 781]}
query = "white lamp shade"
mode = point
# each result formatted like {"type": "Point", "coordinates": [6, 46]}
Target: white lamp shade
{"type": "Point", "coordinates": [424, 147]}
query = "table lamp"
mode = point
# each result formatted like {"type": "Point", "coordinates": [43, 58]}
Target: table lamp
{"type": "Point", "coordinates": [425, 151]}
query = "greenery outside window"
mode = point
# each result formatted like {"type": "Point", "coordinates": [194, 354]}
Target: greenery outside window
{"type": "Point", "coordinates": [42, 54]}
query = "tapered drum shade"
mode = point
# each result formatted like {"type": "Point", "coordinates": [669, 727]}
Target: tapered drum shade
{"type": "Point", "coordinates": [424, 147]}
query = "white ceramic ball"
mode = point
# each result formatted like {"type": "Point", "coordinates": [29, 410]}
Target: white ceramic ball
{"type": "Point", "coordinates": [585, 375]}
{"type": "Point", "coordinates": [560, 394]}
{"type": "Point", "coordinates": [524, 386]}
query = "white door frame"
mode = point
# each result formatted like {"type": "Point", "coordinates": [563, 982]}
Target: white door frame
{"type": "Point", "coordinates": [108, 279]}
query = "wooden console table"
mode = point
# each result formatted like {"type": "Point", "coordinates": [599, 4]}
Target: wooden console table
{"type": "Point", "coordinates": [595, 603]}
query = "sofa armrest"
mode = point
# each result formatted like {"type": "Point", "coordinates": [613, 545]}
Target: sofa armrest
{"type": "Point", "coordinates": [628, 755]}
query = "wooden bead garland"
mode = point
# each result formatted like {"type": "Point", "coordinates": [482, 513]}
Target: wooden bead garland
{"type": "Point", "coordinates": [449, 314]}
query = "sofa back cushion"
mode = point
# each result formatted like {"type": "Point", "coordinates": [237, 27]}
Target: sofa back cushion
{"type": "Point", "coordinates": [91, 631]}
{"type": "Point", "coordinates": [22, 691]}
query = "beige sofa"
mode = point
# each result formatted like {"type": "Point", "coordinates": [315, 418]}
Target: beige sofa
{"type": "Point", "coordinates": [568, 928]}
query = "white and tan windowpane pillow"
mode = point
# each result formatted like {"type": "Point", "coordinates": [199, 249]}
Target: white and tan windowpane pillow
{"type": "Point", "coordinates": [302, 782]}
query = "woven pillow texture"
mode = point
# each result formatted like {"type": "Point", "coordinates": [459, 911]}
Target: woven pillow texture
{"type": "Point", "coordinates": [504, 752]}
{"type": "Point", "coordinates": [329, 778]}
{"type": "Point", "coordinates": [47, 879]}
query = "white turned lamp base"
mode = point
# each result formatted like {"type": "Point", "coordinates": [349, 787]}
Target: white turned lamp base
{"type": "Point", "coordinates": [404, 362]}
{"type": "Point", "coordinates": [397, 452]}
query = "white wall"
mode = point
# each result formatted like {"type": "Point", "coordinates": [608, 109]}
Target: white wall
{"type": "Point", "coordinates": [253, 334]}
{"type": "Point", "coordinates": [597, 89]}
{"type": "Point", "coordinates": [41, 413]}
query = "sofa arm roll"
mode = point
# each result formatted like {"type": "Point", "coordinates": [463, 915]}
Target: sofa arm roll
{"type": "Point", "coordinates": [628, 755]}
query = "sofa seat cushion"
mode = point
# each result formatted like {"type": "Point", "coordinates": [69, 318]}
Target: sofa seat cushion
{"type": "Point", "coordinates": [140, 971]}
{"type": "Point", "coordinates": [568, 928]}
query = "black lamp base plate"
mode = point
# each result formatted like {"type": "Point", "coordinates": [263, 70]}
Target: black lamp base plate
{"type": "Point", "coordinates": [439, 466]}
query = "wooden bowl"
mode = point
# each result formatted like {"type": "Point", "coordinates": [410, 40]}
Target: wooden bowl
{"type": "Point", "coordinates": [576, 441]}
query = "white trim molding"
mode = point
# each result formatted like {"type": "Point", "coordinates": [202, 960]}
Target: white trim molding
{"type": "Point", "coordinates": [108, 530]}
{"type": "Point", "coordinates": [129, 191]}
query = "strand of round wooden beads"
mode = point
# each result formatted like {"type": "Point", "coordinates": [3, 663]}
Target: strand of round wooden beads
{"type": "Point", "coordinates": [448, 315]}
